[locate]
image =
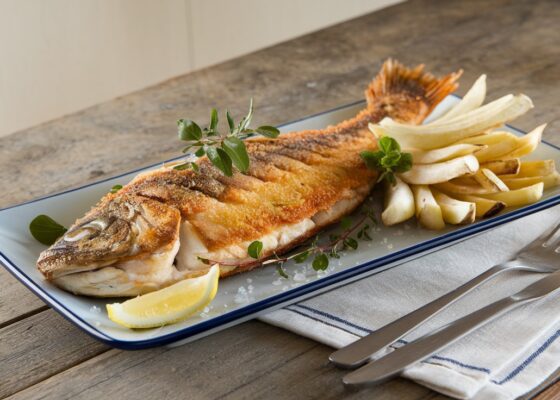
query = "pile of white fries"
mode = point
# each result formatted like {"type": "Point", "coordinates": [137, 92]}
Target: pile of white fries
{"type": "Point", "coordinates": [464, 166]}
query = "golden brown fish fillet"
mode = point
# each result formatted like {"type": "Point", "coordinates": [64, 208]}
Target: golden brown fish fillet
{"type": "Point", "coordinates": [151, 233]}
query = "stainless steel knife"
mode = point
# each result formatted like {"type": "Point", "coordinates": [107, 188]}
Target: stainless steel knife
{"type": "Point", "coordinates": [397, 361]}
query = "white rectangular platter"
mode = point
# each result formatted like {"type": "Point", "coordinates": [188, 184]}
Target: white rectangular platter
{"type": "Point", "coordinates": [244, 296]}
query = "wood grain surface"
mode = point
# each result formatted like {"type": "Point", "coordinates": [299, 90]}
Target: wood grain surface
{"type": "Point", "coordinates": [43, 356]}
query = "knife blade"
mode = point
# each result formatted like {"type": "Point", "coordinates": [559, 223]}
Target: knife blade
{"type": "Point", "coordinates": [397, 361]}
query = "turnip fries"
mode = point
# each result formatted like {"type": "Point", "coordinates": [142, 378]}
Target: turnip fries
{"type": "Point", "coordinates": [464, 165]}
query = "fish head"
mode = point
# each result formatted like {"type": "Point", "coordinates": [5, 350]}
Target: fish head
{"type": "Point", "coordinates": [120, 228]}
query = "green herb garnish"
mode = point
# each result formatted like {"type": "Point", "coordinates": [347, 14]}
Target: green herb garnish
{"type": "Point", "coordinates": [388, 160]}
{"type": "Point", "coordinates": [116, 188]}
{"type": "Point", "coordinates": [255, 249]}
{"type": "Point", "coordinates": [224, 151]}
{"type": "Point", "coordinates": [301, 257]}
{"type": "Point", "coordinates": [281, 271]}
{"type": "Point", "coordinates": [45, 229]}
{"type": "Point", "coordinates": [320, 262]}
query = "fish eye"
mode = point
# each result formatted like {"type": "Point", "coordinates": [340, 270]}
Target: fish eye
{"type": "Point", "coordinates": [87, 230]}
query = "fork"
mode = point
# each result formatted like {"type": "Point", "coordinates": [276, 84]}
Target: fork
{"type": "Point", "coordinates": [535, 257]}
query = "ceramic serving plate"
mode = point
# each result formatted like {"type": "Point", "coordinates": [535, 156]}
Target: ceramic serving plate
{"type": "Point", "coordinates": [244, 296]}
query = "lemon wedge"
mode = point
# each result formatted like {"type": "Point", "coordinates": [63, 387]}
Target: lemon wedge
{"type": "Point", "coordinates": [166, 306]}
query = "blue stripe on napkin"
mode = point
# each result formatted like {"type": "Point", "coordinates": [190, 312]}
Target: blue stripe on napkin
{"type": "Point", "coordinates": [342, 321]}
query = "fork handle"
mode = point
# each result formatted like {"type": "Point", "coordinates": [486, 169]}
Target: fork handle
{"type": "Point", "coordinates": [422, 348]}
{"type": "Point", "coordinates": [366, 348]}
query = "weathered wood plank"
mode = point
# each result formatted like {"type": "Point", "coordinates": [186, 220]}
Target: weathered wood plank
{"type": "Point", "coordinates": [15, 301]}
{"type": "Point", "coordinates": [41, 346]}
{"type": "Point", "coordinates": [549, 389]}
{"type": "Point", "coordinates": [551, 393]}
{"type": "Point", "coordinates": [253, 360]}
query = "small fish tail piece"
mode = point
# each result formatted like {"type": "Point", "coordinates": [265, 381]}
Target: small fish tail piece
{"type": "Point", "coordinates": [408, 95]}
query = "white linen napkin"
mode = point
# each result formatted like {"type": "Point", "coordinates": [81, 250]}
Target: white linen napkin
{"type": "Point", "coordinates": [502, 360]}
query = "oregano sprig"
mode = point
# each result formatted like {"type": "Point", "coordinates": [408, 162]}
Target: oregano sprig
{"type": "Point", "coordinates": [224, 150]}
{"type": "Point", "coordinates": [388, 160]}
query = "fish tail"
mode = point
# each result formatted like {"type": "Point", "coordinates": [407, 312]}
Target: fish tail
{"type": "Point", "coordinates": [408, 95]}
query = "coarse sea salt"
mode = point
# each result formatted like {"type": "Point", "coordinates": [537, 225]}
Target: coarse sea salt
{"type": "Point", "coordinates": [299, 277]}
{"type": "Point", "coordinates": [242, 296]}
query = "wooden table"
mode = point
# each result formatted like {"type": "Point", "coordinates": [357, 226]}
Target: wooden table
{"type": "Point", "coordinates": [44, 356]}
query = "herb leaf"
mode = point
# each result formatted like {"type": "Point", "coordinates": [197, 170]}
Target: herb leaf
{"type": "Point", "coordinates": [237, 151]}
{"type": "Point", "coordinates": [268, 131]}
{"type": "Point", "coordinates": [320, 262]}
{"type": "Point", "coordinates": [116, 188]}
{"type": "Point", "coordinates": [187, 165]}
{"type": "Point", "coordinates": [220, 159]}
{"type": "Point", "coordinates": [334, 253]}
{"type": "Point", "coordinates": [388, 159]}
{"type": "Point", "coordinates": [189, 130]}
{"type": "Point", "coordinates": [388, 144]}
{"type": "Point", "coordinates": [345, 223]}
{"type": "Point", "coordinates": [281, 271]}
{"type": "Point", "coordinates": [230, 122]}
{"type": "Point", "coordinates": [213, 119]}
{"type": "Point", "coordinates": [351, 242]}
{"type": "Point", "coordinates": [255, 249]}
{"type": "Point", "coordinates": [301, 257]}
{"type": "Point", "coordinates": [45, 229]}
{"type": "Point", "coordinates": [200, 152]}
{"type": "Point", "coordinates": [405, 163]}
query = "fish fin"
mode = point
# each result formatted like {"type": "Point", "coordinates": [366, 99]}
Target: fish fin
{"type": "Point", "coordinates": [398, 89]}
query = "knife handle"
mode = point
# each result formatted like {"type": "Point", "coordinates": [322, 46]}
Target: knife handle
{"type": "Point", "coordinates": [366, 348]}
{"type": "Point", "coordinates": [395, 362]}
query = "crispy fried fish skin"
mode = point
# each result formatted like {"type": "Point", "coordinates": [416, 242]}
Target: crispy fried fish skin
{"type": "Point", "coordinates": [152, 232]}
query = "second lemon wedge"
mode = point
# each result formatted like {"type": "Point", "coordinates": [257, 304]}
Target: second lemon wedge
{"type": "Point", "coordinates": [171, 304]}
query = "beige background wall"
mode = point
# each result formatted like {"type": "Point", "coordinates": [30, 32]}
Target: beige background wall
{"type": "Point", "coordinates": [60, 56]}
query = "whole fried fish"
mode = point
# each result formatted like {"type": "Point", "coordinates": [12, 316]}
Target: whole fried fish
{"type": "Point", "coordinates": [152, 232]}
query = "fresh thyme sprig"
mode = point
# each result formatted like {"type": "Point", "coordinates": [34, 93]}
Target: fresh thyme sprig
{"type": "Point", "coordinates": [224, 151]}
{"type": "Point", "coordinates": [388, 159]}
{"type": "Point", "coordinates": [320, 253]}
